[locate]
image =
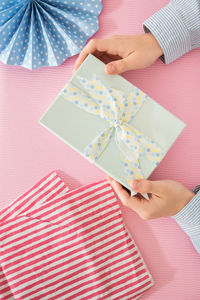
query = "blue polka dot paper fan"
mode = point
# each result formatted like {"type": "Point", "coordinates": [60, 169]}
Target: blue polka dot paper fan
{"type": "Point", "coordinates": [36, 33]}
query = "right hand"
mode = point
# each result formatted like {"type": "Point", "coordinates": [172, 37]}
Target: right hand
{"type": "Point", "coordinates": [166, 197]}
{"type": "Point", "coordinates": [129, 52]}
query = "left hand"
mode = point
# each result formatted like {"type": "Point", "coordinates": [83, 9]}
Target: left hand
{"type": "Point", "coordinates": [166, 197]}
{"type": "Point", "coordinates": [125, 52]}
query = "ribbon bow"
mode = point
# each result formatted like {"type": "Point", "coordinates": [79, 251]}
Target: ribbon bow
{"type": "Point", "coordinates": [118, 110]}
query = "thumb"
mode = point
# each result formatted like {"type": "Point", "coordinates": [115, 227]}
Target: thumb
{"type": "Point", "coordinates": [121, 65]}
{"type": "Point", "coordinates": [147, 186]}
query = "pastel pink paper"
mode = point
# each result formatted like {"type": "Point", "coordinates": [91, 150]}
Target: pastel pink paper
{"type": "Point", "coordinates": [28, 151]}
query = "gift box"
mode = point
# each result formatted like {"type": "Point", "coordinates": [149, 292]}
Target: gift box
{"type": "Point", "coordinates": [58, 243]}
{"type": "Point", "coordinates": [112, 123]}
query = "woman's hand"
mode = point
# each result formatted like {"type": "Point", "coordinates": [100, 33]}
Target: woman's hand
{"type": "Point", "coordinates": [126, 52]}
{"type": "Point", "coordinates": [166, 197]}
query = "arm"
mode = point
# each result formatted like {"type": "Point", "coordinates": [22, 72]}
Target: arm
{"type": "Point", "coordinates": [166, 198]}
{"type": "Point", "coordinates": [176, 27]}
{"type": "Point", "coordinates": [170, 33]}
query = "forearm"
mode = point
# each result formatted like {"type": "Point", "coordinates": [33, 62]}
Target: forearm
{"type": "Point", "coordinates": [176, 28]}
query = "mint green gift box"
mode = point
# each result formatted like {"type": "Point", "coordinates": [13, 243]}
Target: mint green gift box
{"type": "Point", "coordinates": [78, 128]}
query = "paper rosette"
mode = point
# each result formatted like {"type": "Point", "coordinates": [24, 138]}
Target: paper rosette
{"type": "Point", "coordinates": [36, 33]}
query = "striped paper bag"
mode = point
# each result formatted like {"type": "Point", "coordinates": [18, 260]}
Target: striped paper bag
{"type": "Point", "coordinates": [62, 244]}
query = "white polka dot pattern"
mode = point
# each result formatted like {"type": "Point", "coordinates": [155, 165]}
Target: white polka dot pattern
{"type": "Point", "coordinates": [36, 33]}
{"type": "Point", "coordinates": [118, 110]}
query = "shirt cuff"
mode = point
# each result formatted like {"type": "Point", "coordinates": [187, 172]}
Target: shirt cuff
{"type": "Point", "coordinates": [190, 214]}
{"type": "Point", "coordinates": [169, 29]}
{"type": "Point", "coordinates": [189, 220]}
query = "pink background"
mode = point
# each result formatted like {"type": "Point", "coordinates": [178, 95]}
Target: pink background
{"type": "Point", "coordinates": [28, 151]}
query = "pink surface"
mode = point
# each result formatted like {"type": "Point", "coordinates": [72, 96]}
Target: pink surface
{"type": "Point", "coordinates": [28, 151]}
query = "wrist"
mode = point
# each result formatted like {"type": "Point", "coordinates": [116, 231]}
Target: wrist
{"type": "Point", "coordinates": [187, 197]}
{"type": "Point", "coordinates": [156, 46]}
{"type": "Point", "coordinates": [189, 213]}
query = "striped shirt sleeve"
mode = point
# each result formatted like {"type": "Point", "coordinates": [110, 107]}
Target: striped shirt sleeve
{"type": "Point", "coordinates": [189, 220]}
{"type": "Point", "coordinates": [176, 28]}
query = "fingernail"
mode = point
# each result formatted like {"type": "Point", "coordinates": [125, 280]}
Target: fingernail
{"type": "Point", "coordinates": [74, 69]}
{"type": "Point", "coordinates": [111, 69]}
{"type": "Point", "coordinates": [135, 184]}
{"type": "Point", "coordinates": [108, 179]}
{"type": "Point", "coordinates": [113, 183]}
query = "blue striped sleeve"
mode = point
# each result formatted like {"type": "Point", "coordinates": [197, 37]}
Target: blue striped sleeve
{"type": "Point", "coordinates": [189, 220]}
{"type": "Point", "coordinates": [176, 28]}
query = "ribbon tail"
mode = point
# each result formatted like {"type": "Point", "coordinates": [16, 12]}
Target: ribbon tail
{"type": "Point", "coordinates": [94, 149]}
{"type": "Point", "coordinates": [132, 168]}
{"type": "Point", "coordinates": [152, 150]}
{"type": "Point", "coordinates": [133, 171]}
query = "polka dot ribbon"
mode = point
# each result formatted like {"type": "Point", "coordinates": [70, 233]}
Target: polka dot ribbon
{"type": "Point", "coordinates": [118, 110]}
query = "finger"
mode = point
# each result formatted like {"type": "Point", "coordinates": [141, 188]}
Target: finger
{"type": "Point", "coordinates": [123, 65]}
{"type": "Point", "coordinates": [138, 204]}
{"type": "Point", "coordinates": [147, 186]}
{"type": "Point", "coordinates": [111, 57]}
{"type": "Point", "coordinates": [109, 179]}
{"type": "Point", "coordinates": [120, 191]}
{"type": "Point", "coordinates": [93, 46]}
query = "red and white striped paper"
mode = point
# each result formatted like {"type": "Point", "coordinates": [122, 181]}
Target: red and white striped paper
{"type": "Point", "coordinates": [62, 244]}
